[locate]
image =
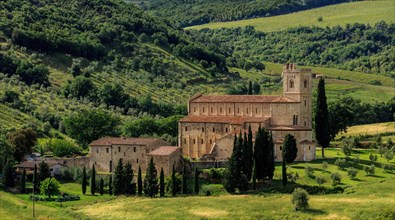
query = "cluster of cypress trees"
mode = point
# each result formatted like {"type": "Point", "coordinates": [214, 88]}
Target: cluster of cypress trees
{"type": "Point", "coordinates": [123, 179]}
{"type": "Point", "coordinates": [249, 162]}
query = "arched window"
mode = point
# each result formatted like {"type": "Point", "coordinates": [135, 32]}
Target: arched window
{"type": "Point", "coordinates": [201, 141]}
{"type": "Point", "coordinates": [226, 130]}
{"type": "Point", "coordinates": [295, 120]}
{"type": "Point", "coordinates": [220, 110]}
{"type": "Point", "coordinates": [291, 83]}
{"type": "Point", "coordinates": [230, 110]}
{"type": "Point", "coordinates": [213, 129]}
{"type": "Point", "coordinates": [194, 141]}
{"type": "Point", "coordinates": [247, 110]}
{"type": "Point", "coordinates": [186, 128]}
{"type": "Point", "coordinates": [203, 109]}
{"type": "Point", "coordinates": [211, 109]}
{"type": "Point", "coordinates": [305, 83]}
{"type": "Point", "coordinates": [202, 129]}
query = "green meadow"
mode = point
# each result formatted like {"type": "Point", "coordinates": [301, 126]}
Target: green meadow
{"type": "Point", "coordinates": [366, 12]}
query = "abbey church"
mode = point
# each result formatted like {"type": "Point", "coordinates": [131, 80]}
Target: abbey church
{"type": "Point", "coordinates": [207, 133]}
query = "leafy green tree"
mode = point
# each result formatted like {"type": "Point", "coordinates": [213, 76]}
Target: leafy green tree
{"type": "Point", "coordinates": [322, 133]}
{"type": "Point", "coordinates": [162, 183]}
{"type": "Point", "coordinates": [93, 180]}
{"type": "Point", "coordinates": [352, 172]}
{"type": "Point", "coordinates": [112, 95]}
{"type": "Point", "coordinates": [110, 187]}
{"type": "Point", "coordinates": [84, 181]}
{"type": "Point", "coordinates": [89, 125]}
{"type": "Point", "coordinates": [8, 175]}
{"type": "Point", "coordinates": [44, 171]}
{"type": "Point", "coordinates": [389, 155]}
{"type": "Point", "coordinates": [139, 183]}
{"type": "Point", "coordinates": [22, 142]}
{"type": "Point", "coordinates": [300, 199]}
{"type": "Point", "coordinates": [49, 187]}
{"type": "Point", "coordinates": [128, 178]}
{"type": "Point", "coordinates": [151, 180]}
{"type": "Point", "coordinates": [22, 186]}
{"type": "Point", "coordinates": [336, 178]}
{"type": "Point", "coordinates": [347, 145]}
{"type": "Point", "coordinates": [197, 186]}
{"type": "Point", "coordinates": [36, 181]}
{"type": "Point", "coordinates": [75, 68]}
{"type": "Point", "coordinates": [101, 186]}
{"type": "Point", "coordinates": [6, 152]}
{"type": "Point", "coordinates": [119, 179]}
{"type": "Point", "coordinates": [81, 87]}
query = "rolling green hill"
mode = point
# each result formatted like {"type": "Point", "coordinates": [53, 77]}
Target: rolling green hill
{"type": "Point", "coordinates": [365, 12]}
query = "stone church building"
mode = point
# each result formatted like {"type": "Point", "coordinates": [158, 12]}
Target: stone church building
{"type": "Point", "coordinates": [208, 131]}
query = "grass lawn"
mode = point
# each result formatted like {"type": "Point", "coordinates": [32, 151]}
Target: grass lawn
{"type": "Point", "coordinates": [365, 12]}
{"type": "Point", "coordinates": [365, 197]}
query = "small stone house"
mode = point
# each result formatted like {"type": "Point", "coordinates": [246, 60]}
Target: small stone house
{"type": "Point", "coordinates": [164, 157]}
{"type": "Point", "coordinates": [54, 167]}
{"type": "Point", "coordinates": [107, 151]}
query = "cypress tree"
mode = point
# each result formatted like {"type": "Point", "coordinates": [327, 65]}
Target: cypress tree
{"type": "Point", "coordinates": [250, 88]}
{"type": "Point", "coordinates": [284, 173]}
{"type": "Point", "coordinates": [8, 175]}
{"type": "Point", "coordinates": [197, 187]}
{"type": "Point", "coordinates": [44, 171]}
{"type": "Point", "coordinates": [244, 156]}
{"type": "Point", "coordinates": [84, 181]}
{"type": "Point", "coordinates": [258, 154]}
{"type": "Point", "coordinates": [35, 180]}
{"type": "Point", "coordinates": [173, 181]}
{"type": "Point", "coordinates": [162, 183]}
{"type": "Point", "coordinates": [93, 180]}
{"type": "Point", "coordinates": [322, 133]}
{"type": "Point", "coordinates": [265, 152]}
{"type": "Point", "coordinates": [270, 159]}
{"type": "Point", "coordinates": [234, 177]}
{"type": "Point", "coordinates": [151, 180]}
{"type": "Point", "coordinates": [254, 179]}
{"type": "Point", "coordinates": [22, 185]}
{"type": "Point", "coordinates": [118, 179]}
{"type": "Point", "coordinates": [128, 179]}
{"type": "Point", "coordinates": [139, 183]}
{"type": "Point", "coordinates": [184, 180]}
{"type": "Point", "coordinates": [290, 151]}
{"type": "Point", "coordinates": [101, 186]}
{"type": "Point", "coordinates": [110, 186]}
{"type": "Point", "coordinates": [249, 158]}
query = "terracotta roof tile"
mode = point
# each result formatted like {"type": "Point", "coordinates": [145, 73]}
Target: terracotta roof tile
{"type": "Point", "coordinates": [241, 98]}
{"type": "Point", "coordinates": [164, 151]}
{"type": "Point", "coordinates": [107, 141]}
{"type": "Point", "coordinates": [288, 128]}
{"type": "Point", "coordinates": [222, 119]}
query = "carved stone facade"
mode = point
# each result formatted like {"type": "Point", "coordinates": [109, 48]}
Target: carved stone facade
{"type": "Point", "coordinates": [212, 121]}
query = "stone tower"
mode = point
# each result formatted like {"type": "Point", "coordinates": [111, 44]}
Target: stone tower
{"type": "Point", "coordinates": [297, 84]}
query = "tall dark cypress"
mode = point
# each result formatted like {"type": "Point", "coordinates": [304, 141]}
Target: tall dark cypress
{"type": "Point", "coordinates": [322, 133]}
{"type": "Point", "coordinates": [162, 183]}
{"type": "Point", "coordinates": [173, 181]}
{"type": "Point", "coordinates": [244, 155]}
{"type": "Point", "coordinates": [93, 180]}
{"type": "Point", "coordinates": [258, 154]}
{"type": "Point", "coordinates": [118, 179]}
{"type": "Point", "coordinates": [128, 179]}
{"type": "Point", "coordinates": [184, 180]}
{"type": "Point", "coordinates": [270, 158]}
{"type": "Point", "coordinates": [290, 150]}
{"type": "Point", "coordinates": [254, 178]}
{"type": "Point", "coordinates": [197, 187]}
{"type": "Point", "coordinates": [265, 152]}
{"type": "Point", "coordinates": [151, 180]}
{"type": "Point", "coordinates": [284, 173]}
{"type": "Point", "coordinates": [101, 186]}
{"type": "Point", "coordinates": [249, 158]}
{"type": "Point", "coordinates": [250, 88]}
{"type": "Point", "coordinates": [110, 187]}
{"type": "Point", "coordinates": [22, 185]}
{"type": "Point", "coordinates": [139, 183]}
{"type": "Point", "coordinates": [84, 181]}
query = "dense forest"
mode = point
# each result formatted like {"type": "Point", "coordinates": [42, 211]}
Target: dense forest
{"type": "Point", "coordinates": [194, 12]}
{"type": "Point", "coordinates": [356, 47]}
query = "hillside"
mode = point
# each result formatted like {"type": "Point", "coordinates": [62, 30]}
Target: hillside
{"type": "Point", "coordinates": [187, 13]}
{"type": "Point", "coordinates": [365, 12]}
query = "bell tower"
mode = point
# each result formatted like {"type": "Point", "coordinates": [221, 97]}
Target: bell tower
{"type": "Point", "coordinates": [297, 85]}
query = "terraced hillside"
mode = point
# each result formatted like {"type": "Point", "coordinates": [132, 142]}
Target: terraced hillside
{"type": "Point", "coordinates": [365, 12]}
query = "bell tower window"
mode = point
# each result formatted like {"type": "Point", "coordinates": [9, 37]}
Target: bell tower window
{"type": "Point", "coordinates": [291, 83]}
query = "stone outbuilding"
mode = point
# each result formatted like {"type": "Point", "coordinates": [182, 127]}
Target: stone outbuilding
{"type": "Point", "coordinates": [54, 167]}
{"type": "Point", "coordinates": [164, 157]}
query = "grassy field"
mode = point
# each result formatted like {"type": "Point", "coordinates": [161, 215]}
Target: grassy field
{"type": "Point", "coordinates": [366, 12]}
{"type": "Point", "coordinates": [365, 197]}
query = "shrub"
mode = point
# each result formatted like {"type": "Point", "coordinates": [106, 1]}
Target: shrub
{"type": "Point", "coordinates": [324, 165]}
{"type": "Point", "coordinates": [389, 155]}
{"type": "Point", "coordinates": [319, 19]}
{"type": "Point", "coordinates": [341, 163]}
{"type": "Point", "coordinates": [352, 172]}
{"type": "Point", "coordinates": [387, 168]}
{"type": "Point", "coordinates": [370, 170]}
{"type": "Point", "coordinates": [300, 199]}
{"type": "Point", "coordinates": [372, 157]}
{"type": "Point", "coordinates": [49, 187]}
{"type": "Point", "coordinates": [320, 180]}
{"type": "Point", "coordinates": [309, 171]}
{"type": "Point", "coordinates": [347, 145]}
{"type": "Point", "coordinates": [336, 178]}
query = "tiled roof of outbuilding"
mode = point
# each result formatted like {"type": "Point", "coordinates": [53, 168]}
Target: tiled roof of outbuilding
{"type": "Point", "coordinates": [107, 141]}
{"type": "Point", "coordinates": [164, 151]}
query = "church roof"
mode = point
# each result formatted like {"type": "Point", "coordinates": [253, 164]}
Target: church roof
{"type": "Point", "coordinates": [288, 128]}
{"type": "Point", "coordinates": [222, 119]}
{"type": "Point", "coordinates": [164, 151]}
{"type": "Point", "coordinates": [241, 98]}
{"type": "Point", "coordinates": [108, 141]}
